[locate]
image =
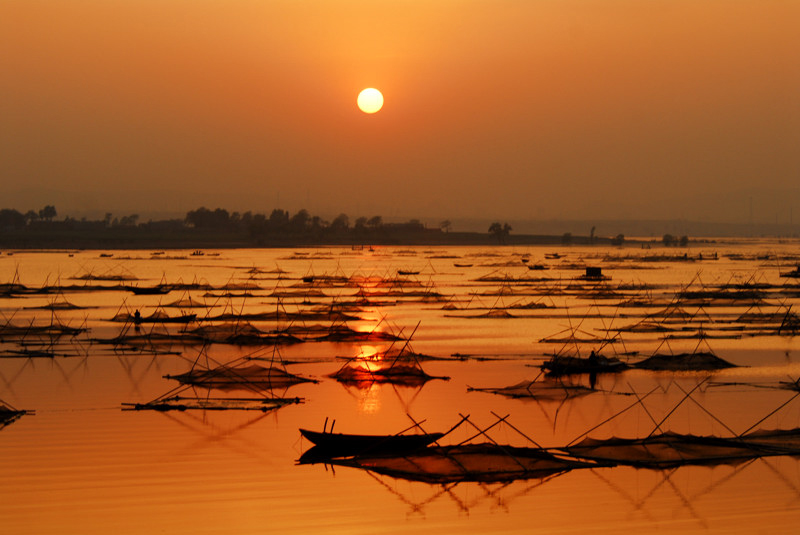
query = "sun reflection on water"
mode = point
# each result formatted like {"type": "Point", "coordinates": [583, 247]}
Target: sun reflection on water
{"type": "Point", "coordinates": [369, 399]}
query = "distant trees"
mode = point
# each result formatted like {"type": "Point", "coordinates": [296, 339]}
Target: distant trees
{"type": "Point", "coordinates": [128, 220]}
{"type": "Point", "coordinates": [340, 223]}
{"type": "Point", "coordinates": [300, 221]}
{"type": "Point", "coordinates": [11, 219]}
{"type": "Point", "coordinates": [500, 231]}
{"type": "Point", "coordinates": [671, 241]}
{"type": "Point", "coordinates": [48, 212]}
{"type": "Point", "coordinates": [208, 219]}
{"type": "Point", "coordinates": [279, 227]}
{"type": "Point", "coordinates": [278, 218]}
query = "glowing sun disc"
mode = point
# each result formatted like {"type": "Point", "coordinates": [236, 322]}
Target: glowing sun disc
{"type": "Point", "coordinates": [370, 100]}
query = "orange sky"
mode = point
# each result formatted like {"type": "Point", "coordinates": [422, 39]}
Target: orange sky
{"type": "Point", "coordinates": [513, 109]}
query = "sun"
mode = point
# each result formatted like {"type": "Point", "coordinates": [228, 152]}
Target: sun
{"type": "Point", "coordinates": [370, 100]}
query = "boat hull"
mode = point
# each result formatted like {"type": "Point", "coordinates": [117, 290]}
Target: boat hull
{"type": "Point", "coordinates": [344, 445]}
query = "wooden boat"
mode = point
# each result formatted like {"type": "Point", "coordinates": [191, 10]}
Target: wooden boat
{"type": "Point", "coordinates": [160, 317]}
{"type": "Point", "coordinates": [150, 290]}
{"type": "Point", "coordinates": [567, 365]}
{"type": "Point", "coordinates": [346, 445]}
{"type": "Point", "coordinates": [794, 274]}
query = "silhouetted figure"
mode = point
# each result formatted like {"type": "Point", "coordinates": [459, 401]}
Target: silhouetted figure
{"type": "Point", "coordinates": [137, 318]}
{"type": "Point", "coordinates": [593, 362]}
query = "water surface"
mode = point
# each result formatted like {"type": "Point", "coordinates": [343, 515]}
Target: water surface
{"type": "Point", "coordinates": [81, 464]}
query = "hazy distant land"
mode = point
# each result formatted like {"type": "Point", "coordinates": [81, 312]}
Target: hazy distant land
{"type": "Point", "coordinates": [218, 228]}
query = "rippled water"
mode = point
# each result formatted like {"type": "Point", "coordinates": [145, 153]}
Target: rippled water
{"type": "Point", "coordinates": [81, 464]}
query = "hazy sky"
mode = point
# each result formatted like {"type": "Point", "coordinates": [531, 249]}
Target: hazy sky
{"type": "Point", "coordinates": [493, 108]}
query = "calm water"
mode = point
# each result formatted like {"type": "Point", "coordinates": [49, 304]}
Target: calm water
{"type": "Point", "coordinates": [82, 465]}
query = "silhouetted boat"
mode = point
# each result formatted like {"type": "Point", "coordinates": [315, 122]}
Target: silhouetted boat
{"type": "Point", "coordinates": [155, 317]}
{"type": "Point", "coordinates": [537, 267]}
{"type": "Point", "coordinates": [344, 445]}
{"type": "Point", "coordinates": [566, 365]}
{"type": "Point", "coordinates": [150, 290]}
{"type": "Point", "coordinates": [794, 274]}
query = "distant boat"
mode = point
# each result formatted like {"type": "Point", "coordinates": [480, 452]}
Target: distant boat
{"type": "Point", "coordinates": [570, 365]}
{"type": "Point", "coordinates": [553, 256]}
{"type": "Point", "coordinates": [156, 317]}
{"type": "Point", "coordinates": [537, 267]}
{"type": "Point", "coordinates": [150, 290]}
{"type": "Point", "coordinates": [794, 274]}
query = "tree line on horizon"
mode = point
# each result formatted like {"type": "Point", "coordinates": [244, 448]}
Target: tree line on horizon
{"type": "Point", "coordinates": [250, 226]}
{"type": "Point", "coordinates": [259, 228]}
{"type": "Point", "coordinates": [219, 219]}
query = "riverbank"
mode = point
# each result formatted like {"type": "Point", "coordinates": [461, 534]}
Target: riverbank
{"type": "Point", "coordinates": [190, 238]}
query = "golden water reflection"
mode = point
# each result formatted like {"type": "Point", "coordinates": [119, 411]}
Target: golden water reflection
{"type": "Point", "coordinates": [82, 465]}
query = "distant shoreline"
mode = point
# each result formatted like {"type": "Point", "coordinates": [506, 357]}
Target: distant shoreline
{"type": "Point", "coordinates": [134, 239]}
{"type": "Point", "coordinates": [219, 229]}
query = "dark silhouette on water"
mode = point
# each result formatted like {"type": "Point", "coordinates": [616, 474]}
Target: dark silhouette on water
{"type": "Point", "coordinates": [218, 228]}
